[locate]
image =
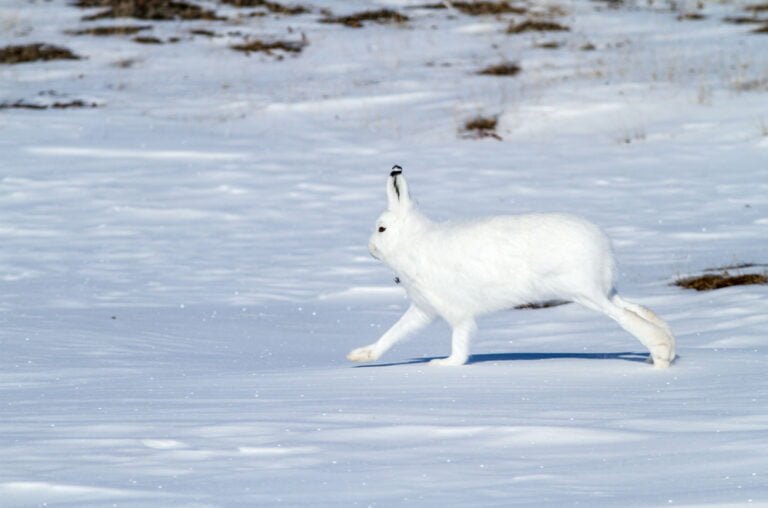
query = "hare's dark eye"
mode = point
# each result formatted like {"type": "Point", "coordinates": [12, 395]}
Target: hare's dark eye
{"type": "Point", "coordinates": [382, 229]}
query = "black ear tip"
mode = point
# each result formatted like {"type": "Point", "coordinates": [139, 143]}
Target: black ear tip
{"type": "Point", "coordinates": [396, 170]}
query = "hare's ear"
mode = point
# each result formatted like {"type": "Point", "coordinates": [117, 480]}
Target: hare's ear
{"type": "Point", "coordinates": [397, 190]}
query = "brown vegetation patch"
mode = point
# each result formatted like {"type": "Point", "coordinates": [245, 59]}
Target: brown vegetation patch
{"type": "Point", "coordinates": [259, 46]}
{"type": "Point", "coordinates": [757, 7]}
{"type": "Point", "coordinates": [480, 8]}
{"type": "Point", "coordinates": [762, 30]}
{"type": "Point", "coordinates": [691, 16]}
{"type": "Point", "coordinates": [147, 40]}
{"type": "Point", "coordinates": [273, 7]}
{"type": "Point", "coordinates": [542, 305]}
{"type": "Point", "coordinates": [384, 16]}
{"type": "Point", "coordinates": [502, 69]}
{"type": "Point", "coordinates": [157, 10]}
{"type": "Point", "coordinates": [549, 45]}
{"type": "Point", "coordinates": [744, 20]}
{"type": "Point", "coordinates": [481, 127]}
{"type": "Point", "coordinates": [125, 63]}
{"type": "Point", "coordinates": [533, 25]}
{"type": "Point", "coordinates": [710, 281]}
{"type": "Point", "coordinates": [203, 32]}
{"type": "Point", "coordinates": [34, 53]}
{"type": "Point", "coordinates": [102, 31]}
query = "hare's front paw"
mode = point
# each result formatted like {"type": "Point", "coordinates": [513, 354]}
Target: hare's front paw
{"type": "Point", "coordinates": [363, 354]}
{"type": "Point", "coordinates": [451, 361]}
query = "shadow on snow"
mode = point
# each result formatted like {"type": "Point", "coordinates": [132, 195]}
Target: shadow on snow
{"type": "Point", "coordinates": [509, 357]}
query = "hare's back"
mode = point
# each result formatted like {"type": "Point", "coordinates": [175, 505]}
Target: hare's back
{"type": "Point", "coordinates": [545, 243]}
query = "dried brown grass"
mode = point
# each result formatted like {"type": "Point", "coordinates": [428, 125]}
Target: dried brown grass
{"type": "Point", "coordinates": [534, 25]}
{"type": "Point", "coordinates": [35, 52]}
{"type": "Point", "coordinates": [383, 16]}
{"type": "Point", "coordinates": [502, 69]}
{"type": "Point", "coordinates": [157, 10]}
{"type": "Point", "coordinates": [711, 281]}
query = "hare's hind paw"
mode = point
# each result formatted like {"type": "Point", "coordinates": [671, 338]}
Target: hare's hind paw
{"type": "Point", "coordinates": [363, 354]}
{"type": "Point", "coordinates": [663, 355]}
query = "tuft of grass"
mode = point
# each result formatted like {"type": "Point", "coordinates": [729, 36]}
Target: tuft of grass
{"type": "Point", "coordinates": [549, 45]}
{"type": "Point", "coordinates": [481, 127]}
{"type": "Point", "coordinates": [711, 281]}
{"type": "Point", "coordinates": [125, 63]}
{"type": "Point", "coordinates": [533, 25]}
{"type": "Point", "coordinates": [102, 31]}
{"type": "Point", "coordinates": [744, 20]}
{"type": "Point", "coordinates": [259, 46]}
{"type": "Point", "coordinates": [480, 8]}
{"type": "Point", "coordinates": [35, 52]}
{"type": "Point", "coordinates": [156, 10]}
{"type": "Point", "coordinates": [273, 7]}
{"type": "Point", "coordinates": [147, 40]}
{"type": "Point", "coordinates": [383, 16]}
{"type": "Point", "coordinates": [691, 16]}
{"type": "Point", "coordinates": [757, 7]}
{"type": "Point", "coordinates": [203, 32]}
{"type": "Point", "coordinates": [502, 69]}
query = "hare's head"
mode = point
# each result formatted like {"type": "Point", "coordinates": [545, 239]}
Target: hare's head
{"type": "Point", "coordinates": [397, 227]}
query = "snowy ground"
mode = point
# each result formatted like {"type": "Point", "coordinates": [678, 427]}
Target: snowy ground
{"type": "Point", "coordinates": [184, 268]}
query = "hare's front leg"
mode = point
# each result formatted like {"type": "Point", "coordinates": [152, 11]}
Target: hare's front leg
{"type": "Point", "coordinates": [413, 320]}
{"type": "Point", "coordinates": [460, 339]}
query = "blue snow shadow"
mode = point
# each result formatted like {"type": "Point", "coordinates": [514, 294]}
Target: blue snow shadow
{"type": "Point", "coordinates": [510, 357]}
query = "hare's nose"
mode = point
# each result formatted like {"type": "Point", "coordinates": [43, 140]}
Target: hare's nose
{"type": "Point", "coordinates": [373, 251]}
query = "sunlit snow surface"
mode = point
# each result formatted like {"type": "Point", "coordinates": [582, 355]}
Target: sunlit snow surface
{"type": "Point", "coordinates": [184, 268]}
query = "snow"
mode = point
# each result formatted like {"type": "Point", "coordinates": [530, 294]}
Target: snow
{"type": "Point", "coordinates": [184, 268]}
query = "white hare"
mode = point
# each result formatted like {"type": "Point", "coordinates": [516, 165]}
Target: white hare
{"type": "Point", "coordinates": [460, 271]}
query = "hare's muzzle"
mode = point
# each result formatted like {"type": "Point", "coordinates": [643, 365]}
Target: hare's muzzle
{"type": "Point", "coordinates": [373, 250]}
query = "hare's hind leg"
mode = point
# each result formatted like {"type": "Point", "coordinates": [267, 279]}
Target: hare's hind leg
{"type": "Point", "coordinates": [643, 312]}
{"type": "Point", "coordinates": [649, 329]}
{"type": "Point", "coordinates": [460, 339]}
{"type": "Point", "coordinates": [413, 320]}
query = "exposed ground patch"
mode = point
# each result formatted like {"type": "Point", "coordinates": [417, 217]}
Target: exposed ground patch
{"type": "Point", "coordinates": [382, 16]}
{"type": "Point", "coordinates": [481, 127]}
{"type": "Point", "coordinates": [691, 16]}
{"type": "Point", "coordinates": [272, 7]}
{"type": "Point", "coordinates": [203, 32]}
{"type": "Point", "coordinates": [745, 20]}
{"type": "Point", "coordinates": [533, 25]}
{"type": "Point", "coordinates": [757, 7]}
{"type": "Point", "coordinates": [145, 39]}
{"type": "Point", "coordinates": [37, 52]}
{"type": "Point", "coordinates": [103, 31]}
{"type": "Point", "coordinates": [156, 10]}
{"type": "Point", "coordinates": [502, 69]}
{"type": "Point", "coordinates": [549, 45]}
{"type": "Point", "coordinates": [480, 8]}
{"type": "Point", "coordinates": [723, 279]}
{"type": "Point", "coordinates": [270, 47]}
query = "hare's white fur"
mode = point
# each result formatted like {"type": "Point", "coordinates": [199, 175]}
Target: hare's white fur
{"type": "Point", "coordinates": [459, 271]}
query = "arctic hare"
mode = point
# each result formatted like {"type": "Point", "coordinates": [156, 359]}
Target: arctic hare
{"type": "Point", "coordinates": [459, 271]}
